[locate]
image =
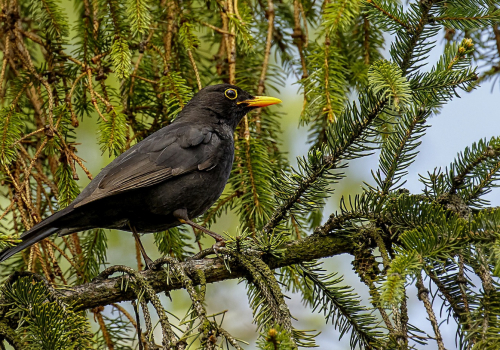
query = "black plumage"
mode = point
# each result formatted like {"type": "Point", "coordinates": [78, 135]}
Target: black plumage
{"type": "Point", "coordinates": [168, 178]}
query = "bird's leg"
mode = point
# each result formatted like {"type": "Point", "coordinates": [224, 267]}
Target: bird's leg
{"type": "Point", "coordinates": [181, 215]}
{"type": "Point", "coordinates": [147, 260]}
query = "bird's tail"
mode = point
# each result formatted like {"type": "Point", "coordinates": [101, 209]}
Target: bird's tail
{"type": "Point", "coordinates": [38, 232]}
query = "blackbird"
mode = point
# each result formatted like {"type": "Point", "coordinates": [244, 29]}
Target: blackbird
{"type": "Point", "coordinates": [167, 179]}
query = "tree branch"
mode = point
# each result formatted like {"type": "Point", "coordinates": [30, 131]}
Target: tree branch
{"type": "Point", "coordinates": [104, 292]}
{"type": "Point", "coordinates": [330, 162]}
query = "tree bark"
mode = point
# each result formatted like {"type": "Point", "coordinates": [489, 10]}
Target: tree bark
{"type": "Point", "coordinates": [102, 292]}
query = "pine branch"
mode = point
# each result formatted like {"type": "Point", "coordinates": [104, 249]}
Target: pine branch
{"type": "Point", "coordinates": [139, 16]}
{"type": "Point", "coordinates": [392, 11]}
{"type": "Point", "coordinates": [474, 157]}
{"type": "Point", "coordinates": [358, 126]}
{"type": "Point", "coordinates": [423, 295]}
{"type": "Point", "coordinates": [399, 152]}
{"type": "Point", "coordinates": [104, 292]}
{"type": "Point", "coordinates": [408, 48]}
{"type": "Point", "coordinates": [342, 306]}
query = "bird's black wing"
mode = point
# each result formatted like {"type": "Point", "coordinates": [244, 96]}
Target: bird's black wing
{"type": "Point", "coordinates": [183, 149]}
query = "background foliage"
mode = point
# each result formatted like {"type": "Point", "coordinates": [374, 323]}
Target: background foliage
{"type": "Point", "coordinates": [129, 67]}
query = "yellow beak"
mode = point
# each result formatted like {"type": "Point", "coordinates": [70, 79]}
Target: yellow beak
{"type": "Point", "coordinates": [261, 101]}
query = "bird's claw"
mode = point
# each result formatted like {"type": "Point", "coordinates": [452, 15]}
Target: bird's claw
{"type": "Point", "coordinates": [150, 265]}
{"type": "Point", "coordinates": [217, 245]}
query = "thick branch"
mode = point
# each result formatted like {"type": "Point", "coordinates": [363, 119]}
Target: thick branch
{"type": "Point", "coordinates": [104, 292]}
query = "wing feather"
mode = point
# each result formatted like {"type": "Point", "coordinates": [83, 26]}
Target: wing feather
{"type": "Point", "coordinates": [183, 150]}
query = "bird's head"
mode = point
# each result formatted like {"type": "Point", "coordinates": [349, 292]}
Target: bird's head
{"type": "Point", "coordinates": [225, 102]}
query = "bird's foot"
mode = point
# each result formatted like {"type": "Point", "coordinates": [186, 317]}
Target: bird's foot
{"type": "Point", "coordinates": [217, 246]}
{"type": "Point", "coordinates": [209, 251]}
{"type": "Point", "coordinates": [150, 265]}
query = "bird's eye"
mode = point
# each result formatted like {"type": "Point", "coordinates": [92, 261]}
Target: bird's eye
{"type": "Point", "coordinates": [231, 94]}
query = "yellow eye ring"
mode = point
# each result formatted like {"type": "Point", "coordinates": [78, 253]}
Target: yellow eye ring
{"type": "Point", "coordinates": [231, 94]}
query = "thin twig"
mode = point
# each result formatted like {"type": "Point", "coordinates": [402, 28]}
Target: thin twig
{"type": "Point", "coordinates": [92, 95]}
{"type": "Point", "coordinates": [217, 29]}
{"type": "Point", "coordinates": [237, 12]}
{"type": "Point", "coordinates": [6, 211]}
{"type": "Point", "coordinates": [138, 62]}
{"type": "Point", "coordinates": [26, 59]}
{"type": "Point", "coordinates": [43, 262]}
{"type": "Point", "coordinates": [149, 325]}
{"type": "Point", "coordinates": [34, 159]}
{"type": "Point", "coordinates": [167, 39]}
{"type": "Point", "coordinates": [72, 263]}
{"type": "Point", "coordinates": [102, 326]}
{"type": "Point", "coordinates": [96, 58]}
{"type": "Point", "coordinates": [131, 319]}
{"type": "Point", "coordinates": [329, 109]}
{"type": "Point", "coordinates": [265, 63]}
{"type": "Point", "coordinates": [299, 37]}
{"type": "Point", "coordinates": [423, 295]}
{"type": "Point", "coordinates": [231, 47]}
{"type": "Point", "coordinates": [20, 191]}
{"type": "Point", "coordinates": [4, 62]}
{"type": "Point", "coordinates": [27, 135]}
{"type": "Point", "coordinates": [145, 79]}
{"type": "Point", "coordinates": [195, 68]}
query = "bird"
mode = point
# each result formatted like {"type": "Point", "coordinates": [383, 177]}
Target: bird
{"type": "Point", "coordinates": [171, 177]}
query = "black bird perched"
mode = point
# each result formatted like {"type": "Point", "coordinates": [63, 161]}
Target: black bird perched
{"type": "Point", "coordinates": [167, 179]}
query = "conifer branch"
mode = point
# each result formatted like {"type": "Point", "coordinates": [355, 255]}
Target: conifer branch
{"type": "Point", "coordinates": [217, 29]}
{"type": "Point", "coordinates": [458, 179]}
{"type": "Point", "coordinates": [267, 52]}
{"type": "Point", "coordinates": [459, 312]}
{"type": "Point", "coordinates": [341, 306]}
{"type": "Point", "coordinates": [329, 108]}
{"type": "Point", "coordinates": [485, 181]}
{"type": "Point", "coordinates": [140, 286]}
{"type": "Point", "coordinates": [464, 18]}
{"type": "Point", "coordinates": [398, 149]}
{"type": "Point", "coordinates": [102, 326]}
{"type": "Point", "coordinates": [423, 295]}
{"type": "Point", "coordinates": [197, 299]}
{"type": "Point", "coordinates": [230, 42]}
{"type": "Point", "coordinates": [416, 34]}
{"type": "Point", "coordinates": [195, 68]}
{"type": "Point", "coordinates": [299, 37]}
{"type": "Point", "coordinates": [388, 14]}
{"type": "Point", "coordinates": [106, 291]}
{"type": "Point", "coordinates": [10, 335]}
{"type": "Point", "coordinates": [171, 13]}
{"type": "Point", "coordinates": [4, 64]}
{"type": "Point", "coordinates": [330, 162]}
